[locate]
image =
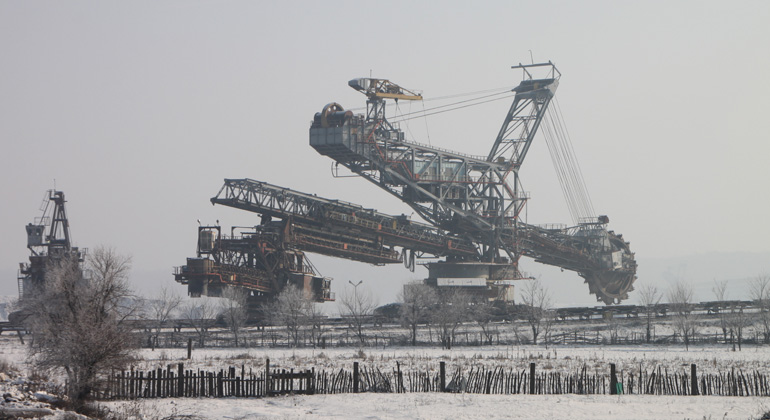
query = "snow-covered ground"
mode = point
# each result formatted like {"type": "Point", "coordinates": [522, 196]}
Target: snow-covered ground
{"type": "Point", "coordinates": [454, 406]}
{"type": "Point", "coordinates": [447, 406]}
{"type": "Point", "coordinates": [458, 406]}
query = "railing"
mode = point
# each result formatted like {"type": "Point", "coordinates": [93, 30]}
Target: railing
{"type": "Point", "coordinates": [552, 226]}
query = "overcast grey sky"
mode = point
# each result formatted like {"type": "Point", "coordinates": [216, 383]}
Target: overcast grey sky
{"type": "Point", "coordinates": [139, 110]}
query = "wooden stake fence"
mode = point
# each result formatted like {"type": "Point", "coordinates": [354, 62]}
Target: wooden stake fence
{"type": "Point", "coordinates": [238, 382]}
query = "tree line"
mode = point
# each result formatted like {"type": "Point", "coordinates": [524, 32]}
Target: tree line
{"type": "Point", "coordinates": [733, 319]}
{"type": "Point", "coordinates": [441, 311]}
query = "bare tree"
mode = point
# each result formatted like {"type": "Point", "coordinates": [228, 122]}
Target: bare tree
{"type": "Point", "coordinates": [649, 297]}
{"type": "Point", "coordinates": [78, 320]}
{"type": "Point", "coordinates": [200, 313]}
{"type": "Point", "coordinates": [720, 293]}
{"type": "Point", "coordinates": [159, 310]}
{"type": "Point", "coordinates": [613, 326]}
{"type": "Point", "coordinates": [233, 308]}
{"type": "Point", "coordinates": [536, 302]}
{"type": "Point", "coordinates": [417, 299]}
{"type": "Point", "coordinates": [517, 334]}
{"type": "Point", "coordinates": [483, 312]}
{"type": "Point", "coordinates": [451, 310]}
{"type": "Point", "coordinates": [737, 321]}
{"type": "Point", "coordinates": [291, 310]}
{"type": "Point", "coordinates": [760, 294]}
{"type": "Point", "coordinates": [358, 306]}
{"type": "Point", "coordinates": [680, 297]}
{"type": "Point", "coordinates": [549, 318]}
{"type": "Point", "coordinates": [315, 320]}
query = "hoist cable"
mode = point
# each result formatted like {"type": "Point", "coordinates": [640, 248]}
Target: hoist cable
{"type": "Point", "coordinates": [425, 120]}
{"type": "Point", "coordinates": [577, 162]}
{"type": "Point", "coordinates": [456, 95]}
{"type": "Point", "coordinates": [573, 167]}
{"type": "Point", "coordinates": [573, 176]}
{"type": "Point", "coordinates": [559, 167]}
{"type": "Point", "coordinates": [460, 102]}
{"type": "Point", "coordinates": [566, 165]}
{"type": "Point", "coordinates": [452, 109]}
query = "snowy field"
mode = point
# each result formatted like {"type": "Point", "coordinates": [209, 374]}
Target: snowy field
{"type": "Point", "coordinates": [471, 406]}
{"type": "Point", "coordinates": [456, 406]}
{"type": "Point", "coordinates": [447, 406]}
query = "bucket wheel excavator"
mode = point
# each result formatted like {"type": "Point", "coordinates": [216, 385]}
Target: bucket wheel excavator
{"type": "Point", "coordinates": [473, 205]}
{"type": "Point", "coordinates": [480, 199]}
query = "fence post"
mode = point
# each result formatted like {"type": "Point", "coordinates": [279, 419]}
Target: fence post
{"type": "Point", "coordinates": [189, 348]}
{"type": "Point", "coordinates": [268, 383]}
{"type": "Point", "coordinates": [399, 380]}
{"type": "Point", "coordinates": [613, 380]}
{"type": "Point", "coordinates": [233, 388]}
{"type": "Point", "coordinates": [311, 381]}
{"type": "Point", "coordinates": [355, 377]}
{"type": "Point", "coordinates": [220, 384]}
{"type": "Point", "coordinates": [532, 378]}
{"type": "Point", "coordinates": [694, 380]}
{"type": "Point", "coordinates": [442, 370]}
{"type": "Point", "coordinates": [180, 386]}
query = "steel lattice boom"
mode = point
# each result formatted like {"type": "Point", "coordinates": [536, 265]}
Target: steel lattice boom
{"type": "Point", "coordinates": [340, 229]}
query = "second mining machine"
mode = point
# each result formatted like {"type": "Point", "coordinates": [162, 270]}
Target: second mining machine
{"type": "Point", "coordinates": [49, 243]}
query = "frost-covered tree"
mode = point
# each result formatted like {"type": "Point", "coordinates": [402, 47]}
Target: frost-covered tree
{"type": "Point", "coordinates": [417, 299]}
{"type": "Point", "coordinates": [737, 321]}
{"type": "Point", "coordinates": [315, 321]}
{"type": "Point", "coordinates": [159, 310]}
{"type": "Point", "coordinates": [200, 313]}
{"type": "Point", "coordinates": [680, 297]}
{"type": "Point", "coordinates": [78, 320]}
{"type": "Point", "coordinates": [649, 298]}
{"type": "Point", "coordinates": [760, 294]}
{"type": "Point", "coordinates": [613, 326]}
{"type": "Point", "coordinates": [720, 293]}
{"type": "Point", "coordinates": [535, 307]}
{"type": "Point", "coordinates": [291, 309]}
{"type": "Point", "coordinates": [483, 312]}
{"type": "Point", "coordinates": [451, 310]}
{"type": "Point", "coordinates": [233, 308]}
{"type": "Point", "coordinates": [357, 306]}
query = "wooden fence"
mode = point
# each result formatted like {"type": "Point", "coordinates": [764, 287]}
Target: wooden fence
{"type": "Point", "coordinates": [238, 382]}
{"type": "Point", "coordinates": [232, 382]}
